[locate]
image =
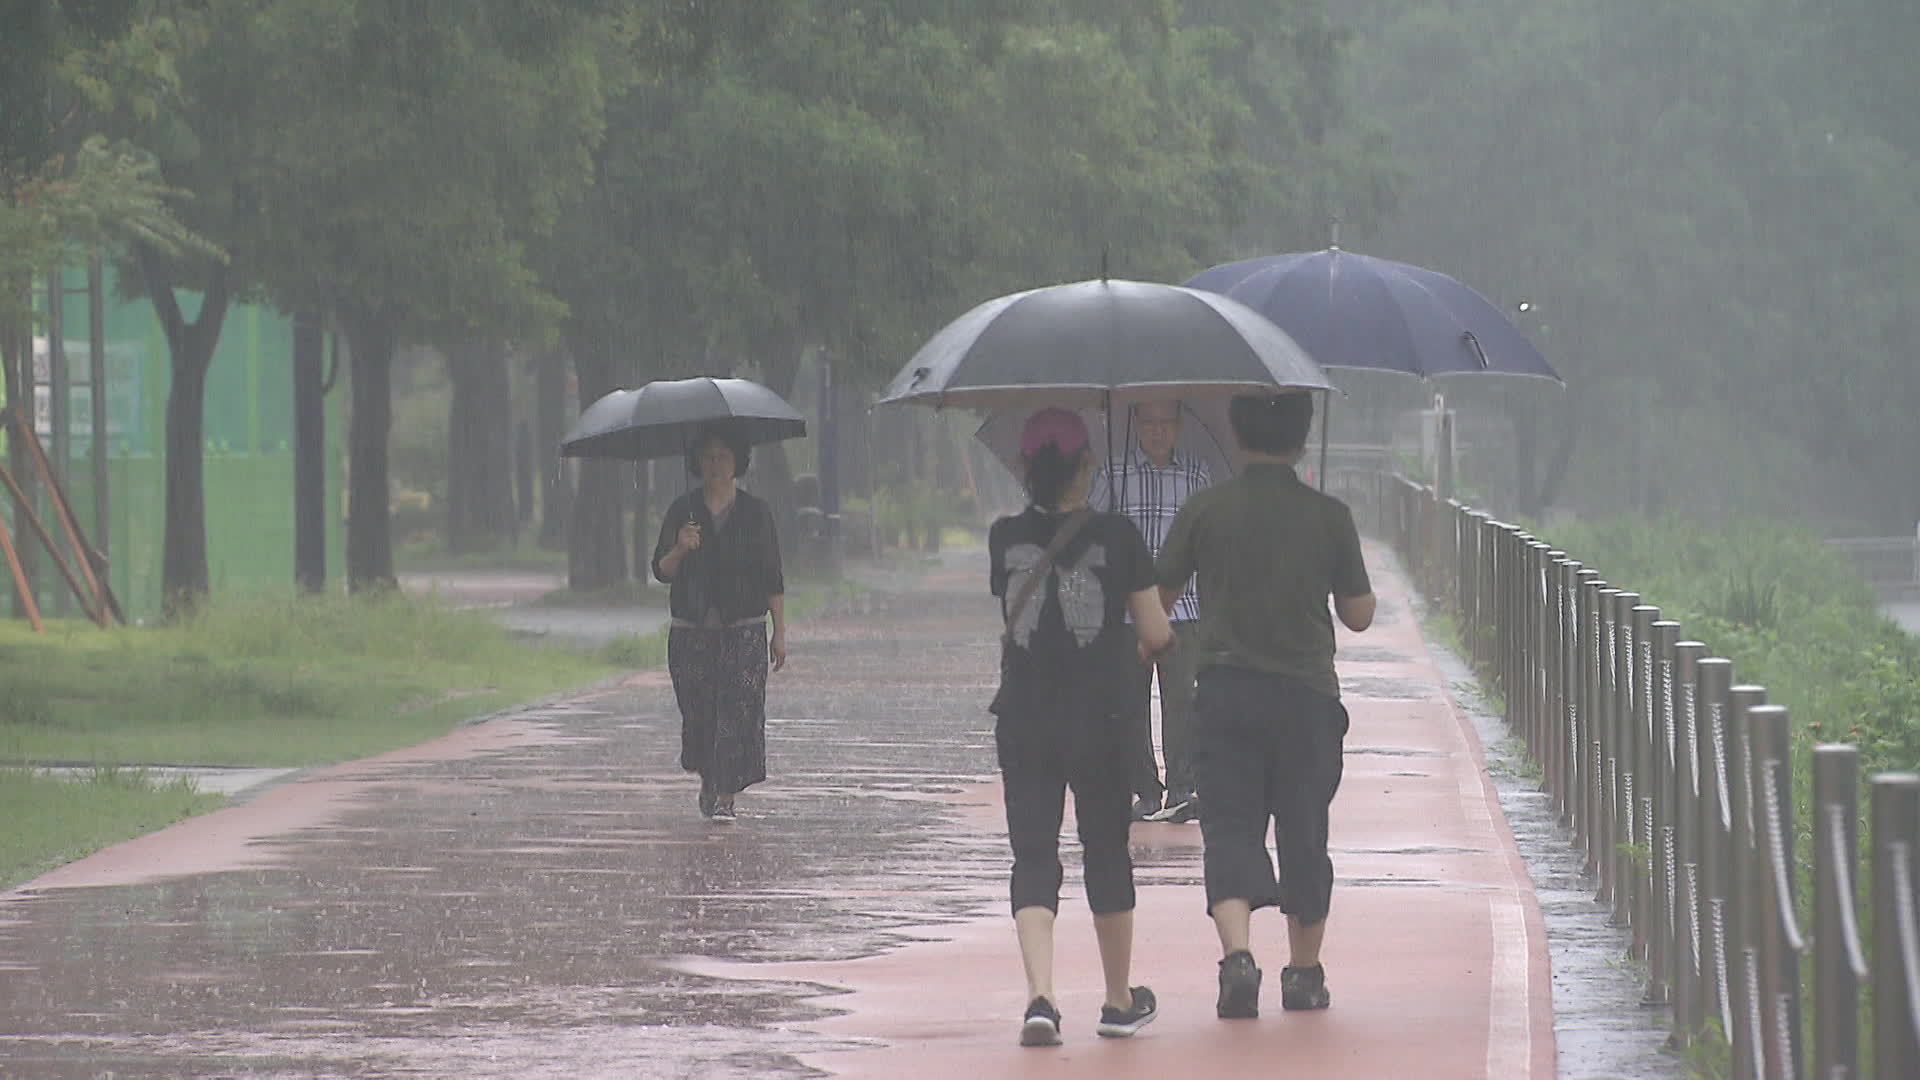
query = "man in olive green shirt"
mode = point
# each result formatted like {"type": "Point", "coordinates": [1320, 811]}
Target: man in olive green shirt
{"type": "Point", "coordinates": [1268, 552]}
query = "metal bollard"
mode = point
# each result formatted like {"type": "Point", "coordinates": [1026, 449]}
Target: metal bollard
{"type": "Point", "coordinates": [1545, 635]}
{"type": "Point", "coordinates": [1743, 887]}
{"type": "Point", "coordinates": [1560, 700]}
{"type": "Point", "coordinates": [1607, 768]}
{"type": "Point", "coordinates": [1489, 533]}
{"type": "Point", "coordinates": [1582, 780]}
{"type": "Point", "coordinates": [1662, 795]}
{"type": "Point", "coordinates": [1639, 716]}
{"type": "Point", "coordinates": [1594, 646]}
{"type": "Point", "coordinates": [1778, 938]}
{"type": "Point", "coordinates": [1692, 1004]}
{"type": "Point", "coordinates": [1896, 924]}
{"type": "Point", "coordinates": [1716, 840]}
{"type": "Point", "coordinates": [1839, 963]}
{"type": "Point", "coordinates": [1620, 720]}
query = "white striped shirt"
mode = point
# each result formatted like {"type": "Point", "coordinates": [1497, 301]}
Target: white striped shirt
{"type": "Point", "coordinates": [1151, 495]}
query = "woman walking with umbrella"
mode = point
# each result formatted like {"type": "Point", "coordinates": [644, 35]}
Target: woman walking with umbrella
{"type": "Point", "coordinates": [1068, 578]}
{"type": "Point", "coordinates": [719, 552]}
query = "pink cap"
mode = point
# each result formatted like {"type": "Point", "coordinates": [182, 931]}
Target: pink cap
{"type": "Point", "coordinates": [1061, 427]}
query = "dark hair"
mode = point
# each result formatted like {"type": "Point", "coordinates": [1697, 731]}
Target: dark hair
{"type": "Point", "coordinates": [1049, 471]}
{"type": "Point", "coordinates": [1272, 423]}
{"type": "Point", "coordinates": [742, 450]}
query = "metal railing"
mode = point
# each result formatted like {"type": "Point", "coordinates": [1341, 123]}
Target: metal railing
{"type": "Point", "coordinates": [1676, 781]}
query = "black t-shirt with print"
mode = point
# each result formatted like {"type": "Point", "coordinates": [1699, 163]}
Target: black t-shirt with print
{"type": "Point", "coordinates": [1072, 645]}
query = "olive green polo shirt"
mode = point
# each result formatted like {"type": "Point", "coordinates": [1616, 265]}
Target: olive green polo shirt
{"type": "Point", "coordinates": [1268, 551]}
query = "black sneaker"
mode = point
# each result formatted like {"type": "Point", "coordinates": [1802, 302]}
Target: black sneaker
{"type": "Point", "coordinates": [1304, 988]}
{"type": "Point", "coordinates": [1145, 807]}
{"type": "Point", "coordinates": [706, 801]}
{"type": "Point", "coordinates": [1041, 1027]}
{"type": "Point", "coordinates": [723, 811]}
{"type": "Point", "coordinates": [1239, 987]}
{"type": "Point", "coordinates": [1120, 1023]}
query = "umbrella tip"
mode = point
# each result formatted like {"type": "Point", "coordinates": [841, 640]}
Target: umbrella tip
{"type": "Point", "coordinates": [1333, 228]}
{"type": "Point", "coordinates": [1103, 263]}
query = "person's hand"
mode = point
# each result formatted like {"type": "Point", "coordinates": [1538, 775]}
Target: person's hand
{"type": "Point", "coordinates": [1148, 654]}
{"type": "Point", "coordinates": [689, 538]}
{"type": "Point", "coordinates": [777, 650]}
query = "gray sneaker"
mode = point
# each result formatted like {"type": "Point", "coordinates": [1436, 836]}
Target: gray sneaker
{"type": "Point", "coordinates": [1121, 1023]}
{"type": "Point", "coordinates": [1041, 1025]}
{"type": "Point", "coordinates": [1304, 988]}
{"type": "Point", "coordinates": [1239, 987]}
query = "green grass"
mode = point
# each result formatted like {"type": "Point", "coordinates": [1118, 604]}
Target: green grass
{"type": "Point", "coordinates": [428, 553]}
{"type": "Point", "coordinates": [265, 679]}
{"type": "Point", "coordinates": [262, 679]}
{"type": "Point", "coordinates": [54, 821]}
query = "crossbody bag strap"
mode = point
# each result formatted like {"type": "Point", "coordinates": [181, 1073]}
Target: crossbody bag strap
{"type": "Point", "coordinates": [1068, 530]}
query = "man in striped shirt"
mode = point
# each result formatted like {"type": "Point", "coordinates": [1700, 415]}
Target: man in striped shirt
{"type": "Point", "coordinates": [1149, 487]}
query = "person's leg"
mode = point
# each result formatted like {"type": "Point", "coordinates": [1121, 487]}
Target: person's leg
{"type": "Point", "coordinates": [1144, 769]}
{"type": "Point", "coordinates": [1315, 738]}
{"type": "Point", "coordinates": [1231, 766]}
{"type": "Point", "coordinates": [1230, 763]}
{"type": "Point", "coordinates": [1033, 926]}
{"type": "Point", "coordinates": [1035, 800]}
{"type": "Point", "coordinates": [740, 743]}
{"type": "Point", "coordinates": [1303, 942]}
{"type": "Point", "coordinates": [1100, 810]}
{"type": "Point", "coordinates": [690, 662]}
{"type": "Point", "coordinates": [1176, 713]}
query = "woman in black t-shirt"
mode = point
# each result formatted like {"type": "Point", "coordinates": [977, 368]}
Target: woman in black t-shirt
{"type": "Point", "coordinates": [719, 551]}
{"type": "Point", "coordinates": [1067, 661]}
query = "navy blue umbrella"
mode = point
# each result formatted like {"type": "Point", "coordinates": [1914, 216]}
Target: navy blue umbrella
{"type": "Point", "coordinates": [1358, 311]}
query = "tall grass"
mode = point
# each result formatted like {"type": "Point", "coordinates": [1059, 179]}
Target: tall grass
{"type": "Point", "coordinates": [51, 821]}
{"type": "Point", "coordinates": [1792, 615]}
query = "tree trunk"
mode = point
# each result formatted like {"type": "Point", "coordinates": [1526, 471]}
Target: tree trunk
{"type": "Point", "coordinates": [183, 560]}
{"type": "Point", "coordinates": [309, 454]}
{"type": "Point", "coordinates": [16, 366]}
{"type": "Point", "coordinates": [372, 338]}
{"type": "Point", "coordinates": [772, 477]}
{"type": "Point", "coordinates": [596, 548]}
{"type": "Point", "coordinates": [556, 486]}
{"type": "Point", "coordinates": [480, 456]}
{"type": "Point", "coordinates": [642, 518]}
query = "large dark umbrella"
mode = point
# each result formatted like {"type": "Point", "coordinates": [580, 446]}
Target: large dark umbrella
{"type": "Point", "coordinates": [1358, 311]}
{"type": "Point", "coordinates": [1101, 343]}
{"type": "Point", "coordinates": [660, 418]}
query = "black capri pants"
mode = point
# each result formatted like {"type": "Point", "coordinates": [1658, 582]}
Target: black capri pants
{"type": "Point", "coordinates": [1041, 758]}
{"type": "Point", "coordinates": [1267, 751]}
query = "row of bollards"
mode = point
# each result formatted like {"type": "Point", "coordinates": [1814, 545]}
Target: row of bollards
{"type": "Point", "coordinates": [1676, 783]}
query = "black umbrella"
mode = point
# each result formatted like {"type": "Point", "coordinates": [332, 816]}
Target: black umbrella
{"type": "Point", "coordinates": [659, 419]}
{"type": "Point", "coordinates": [1103, 343]}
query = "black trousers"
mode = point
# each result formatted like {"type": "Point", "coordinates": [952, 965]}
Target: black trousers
{"type": "Point", "coordinates": [1041, 759]}
{"type": "Point", "coordinates": [1267, 753]}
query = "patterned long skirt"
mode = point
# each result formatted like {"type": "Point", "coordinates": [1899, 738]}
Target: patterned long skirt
{"type": "Point", "coordinates": [720, 682]}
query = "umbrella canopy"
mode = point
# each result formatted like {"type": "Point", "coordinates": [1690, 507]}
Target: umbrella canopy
{"type": "Point", "coordinates": [1358, 311]}
{"type": "Point", "coordinates": [1205, 434]}
{"type": "Point", "coordinates": [658, 419]}
{"type": "Point", "coordinates": [1099, 343]}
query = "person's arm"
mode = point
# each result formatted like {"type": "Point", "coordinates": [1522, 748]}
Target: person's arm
{"type": "Point", "coordinates": [678, 535]}
{"type": "Point", "coordinates": [1176, 562]}
{"type": "Point", "coordinates": [776, 584]}
{"type": "Point", "coordinates": [1353, 598]}
{"type": "Point", "coordinates": [1150, 622]}
{"type": "Point", "coordinates": [777, 644]}
{"type": "Point", "coordinates": [1356, 612]}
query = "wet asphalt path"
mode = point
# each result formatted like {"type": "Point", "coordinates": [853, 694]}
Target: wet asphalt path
{"type": "Point", "coordinates": [518, 911]}
{"type": "Point", "coordinates": [537, 896]}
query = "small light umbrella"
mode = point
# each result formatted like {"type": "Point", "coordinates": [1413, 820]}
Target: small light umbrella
{"type": "Point", "coordinates": [658, 419]}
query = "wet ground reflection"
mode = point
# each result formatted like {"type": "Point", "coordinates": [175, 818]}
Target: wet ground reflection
{"type": "Point", "coordinates": [518, 913]}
